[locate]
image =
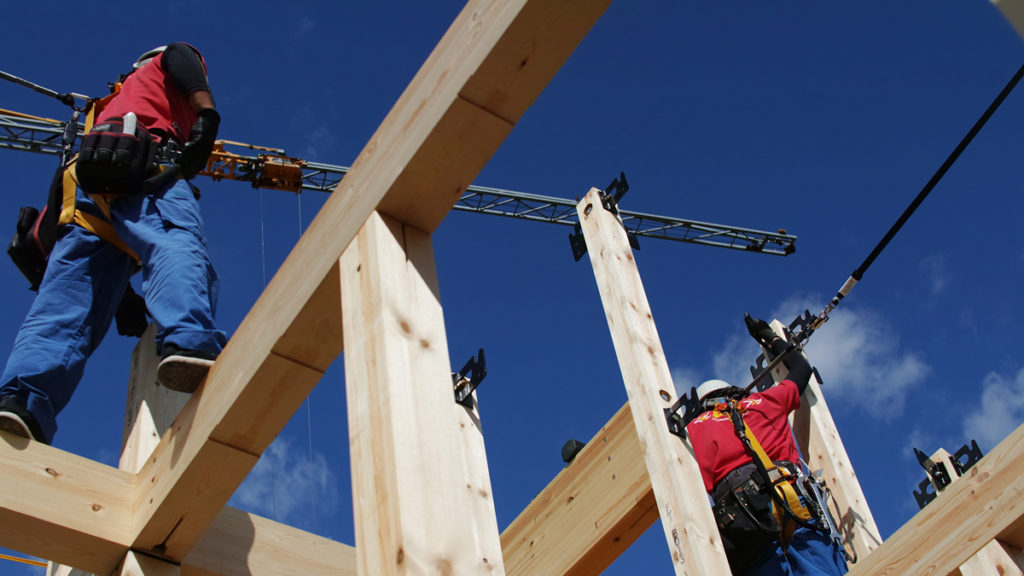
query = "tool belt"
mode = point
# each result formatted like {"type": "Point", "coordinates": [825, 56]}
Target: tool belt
{"type": "Point", "coordinates": [116, 157]}
{"type": "Point", "coordinates": [748, 514]}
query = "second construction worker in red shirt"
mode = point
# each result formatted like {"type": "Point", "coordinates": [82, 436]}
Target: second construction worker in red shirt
{"type": "Point", "coordinates": [744, 445]}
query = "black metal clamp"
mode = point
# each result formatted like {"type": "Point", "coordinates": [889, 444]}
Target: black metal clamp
{"type": "Point", "coordinates": [677, 422]}
{"type": "Point", "coordinates": [938, 476]}
{"type": "Point", "coordinates": [610, 198]}
{"type": "Point", "coordinates": [476, 367]}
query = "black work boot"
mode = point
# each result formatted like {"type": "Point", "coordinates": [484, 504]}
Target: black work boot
{"type": "Point", "coordinates": [16, 419]}
{"type": "Point", "coordinates": [183, 370]}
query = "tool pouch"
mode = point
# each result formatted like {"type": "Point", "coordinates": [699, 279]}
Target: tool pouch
{"type": "Point", "coordinates": [115, 158]}
{"type": "Point", "coordinates": [25, 250]}
{"type": "Point", "coordinates": [746, 522]}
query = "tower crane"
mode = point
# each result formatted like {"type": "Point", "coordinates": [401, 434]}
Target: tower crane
{"type": "Point", "coordinates": [271, 168]}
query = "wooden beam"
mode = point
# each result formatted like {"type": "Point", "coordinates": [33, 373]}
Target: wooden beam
{"type": "Point", "coordinates": [690, 529]}
{"type": "Point", "coordinates": [417, 508]}
{"type": "Point", "coordinates": [986, 504]}
{"type": "Point", "coordinates": [994, 558]}
{"type": "Point", "coordinates": [590, 513]}
{"type": "Point", "coordinates": [63, 507]}
{"type": "Point", "coordinates": [236, 543]}
{"type": "Point", "coordinates": [823, 448]}
{"type": "Point", "coordinates": [1013, 11]}
{"type": "Point", "coordinates": [491, 64]}
{"type": "Point", "coordinates": [136, 564]}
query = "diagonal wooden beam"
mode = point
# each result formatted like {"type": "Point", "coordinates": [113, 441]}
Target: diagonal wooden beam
{"type": "Point", "coordinates": [488, 68]}
{"type": "Point", "coordinates": [590, 513]}
{"type": "Point", "coordinates": [690, 529]}
{"type": "Point", "coordinates": [241, 544]}
{"type": "Point", "coordinates": [986, 504]}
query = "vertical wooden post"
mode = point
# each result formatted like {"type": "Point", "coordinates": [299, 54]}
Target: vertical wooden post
{"type": "Point", "coordinates": [822, 447]}
{"type": "Point", "coordinates": [422, 498]}
{"type": "Point", "coordinates": [690, 529]}
{"type": "Point", "coordinates": [139, 565]}
{"type": "Point", "coordinates": [150, 409]}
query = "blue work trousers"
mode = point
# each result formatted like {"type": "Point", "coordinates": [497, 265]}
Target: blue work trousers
{"type": "Point", "coordinates": [83, 285]}
{"type": "Point", "coordinates": [810, 553]}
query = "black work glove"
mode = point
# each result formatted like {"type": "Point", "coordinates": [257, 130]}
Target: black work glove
{"type": "Point", "coordinates": [200, 143]}
{"type": "Point", "coordinates": [760, 330]}
{"type": "Point", "coordinates": [131, 314]}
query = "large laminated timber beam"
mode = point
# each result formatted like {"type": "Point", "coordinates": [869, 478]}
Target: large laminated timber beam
{"type": "Point", "coordinates": [590, 513]}
{"type": "Point", "coordinates": [690, 530]}
{"type": "Point", "coordinates": [488, 68]}
{"type": "Point", "coordinates": [421, 493]}
{"type": "Point", "coordinates": [985, 504]}
{"type": "Point", "coordinates": [56, 505]}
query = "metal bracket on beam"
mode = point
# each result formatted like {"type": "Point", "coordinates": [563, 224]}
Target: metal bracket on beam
{"type": "Point", "coordinates": [610, 198]}
{"type": "Point", "coordinates": [938, 476]}
{"type": "Point", "coordinates": [677, 422]}
{"type": "Point", "coordinates": [464, 386]}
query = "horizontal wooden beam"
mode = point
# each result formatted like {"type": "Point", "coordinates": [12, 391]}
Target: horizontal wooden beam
{"type": "Point", "coordinates": [590, 513]}
{"type": "Point", "coordinates": [63, 507]}
{"type": "Point", "coordinates": [490, 66]}
{"type": "Point", "coordinates": [986, 504]}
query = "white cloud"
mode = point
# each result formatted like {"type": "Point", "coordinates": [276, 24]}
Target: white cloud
{"type": "Point", "coordinates": [857, 353]}
{"type": "Point", "coordinates": [1000, 410]}
{"type": "Point", "coordinates": [304, 26]}
{"type": "Point", "coordinates": [933, 268]}
{"type": "Point", "coordinates": [287, 486]}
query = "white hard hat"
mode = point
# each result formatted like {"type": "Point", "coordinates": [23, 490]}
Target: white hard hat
{"type": "Point", "coordinates": [710, 387]}
{"type": "Point", "coordinates": [147, 56]}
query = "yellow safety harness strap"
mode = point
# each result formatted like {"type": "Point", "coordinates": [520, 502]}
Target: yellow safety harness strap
{"type": "Point", "coordinates": [780, 479]}
{"type": "Point", "coordinates": [94, 224]}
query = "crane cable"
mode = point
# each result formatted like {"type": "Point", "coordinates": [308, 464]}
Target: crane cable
{"type": "Point", "coordinates": [859, 272]}
{"type": "Point", "coordinates": [799, 339]}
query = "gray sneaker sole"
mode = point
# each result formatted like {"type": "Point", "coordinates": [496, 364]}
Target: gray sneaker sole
{"type": "Point", "coordinates": [11, 422]}
{"type": "Point", "coordinates": [181, 373]}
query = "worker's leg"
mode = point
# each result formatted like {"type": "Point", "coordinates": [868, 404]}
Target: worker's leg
{"type": "Point", "coordinates": [84, 281]}
{"type": "Point", "coordinates": [178, 280]}
{"type": "Point", "coordinates": [812, 553]}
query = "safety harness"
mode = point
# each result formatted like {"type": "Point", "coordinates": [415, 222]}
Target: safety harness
{"type": "Point", "coordinates": [787, 509]}
{"type": "Point", "coordinates": [69, 214]}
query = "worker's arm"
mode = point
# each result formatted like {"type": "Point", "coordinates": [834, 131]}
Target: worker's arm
{"type": "Point", "coordinates": [186, 70]}
{"type": "Point", "coordinates": [799, 368]}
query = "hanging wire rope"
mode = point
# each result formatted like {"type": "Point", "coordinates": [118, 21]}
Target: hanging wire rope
{"type": "Point", "coordinates": [309, 414]}
{"type": "Point", "coordinates": [263, 268]}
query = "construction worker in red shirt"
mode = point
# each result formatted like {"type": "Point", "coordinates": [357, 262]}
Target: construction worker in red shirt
{"type": "Point", "coordinates": [133, 211]}
{"type": "Point", "coordinates": [751, 468]}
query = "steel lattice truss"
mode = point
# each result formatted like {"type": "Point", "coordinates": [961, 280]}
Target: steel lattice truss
{"type": "Point", "coordinates": [270, 168]}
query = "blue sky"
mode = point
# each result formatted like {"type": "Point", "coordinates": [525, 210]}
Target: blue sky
{"type": "Point", "coordinates": [822, 119]}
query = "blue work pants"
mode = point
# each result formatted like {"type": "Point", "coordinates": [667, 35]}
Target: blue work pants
{"type": "Point", "coordinates": [810, 553]}
{"type": "Point", "coordinates": [83, 285]}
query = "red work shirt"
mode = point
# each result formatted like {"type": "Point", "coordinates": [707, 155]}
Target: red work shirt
{"type": "Point", "coordinates": [719, 451]}
{"type": "Point", "coordinates": [156, 101]}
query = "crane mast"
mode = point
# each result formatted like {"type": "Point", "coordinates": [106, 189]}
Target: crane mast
{"type": "Point", "coordinates": [271, 168]}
